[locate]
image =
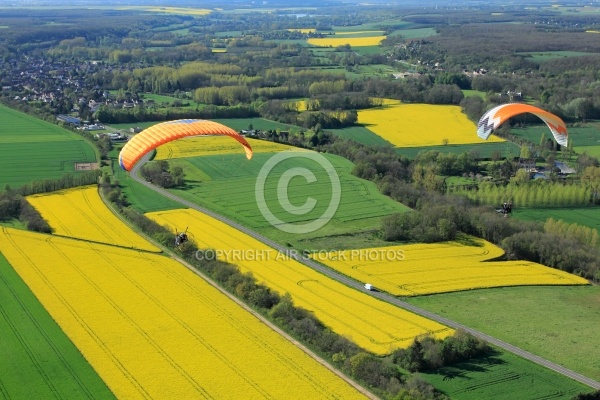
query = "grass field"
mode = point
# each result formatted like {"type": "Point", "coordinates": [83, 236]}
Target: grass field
{"type": "Point", "coordinates": [418, 269]}
{"type": "Point", "coordinates": [588, 135]}
{"type": "Point", "coordinates": [470, 93]}
{"type": "Point", "coordinates": [503, 376]}
{"type": "Point", "coordinates": [32, 149]}
{"type": "Point", "coordinates": [588, 216]}
{"type": "Point", "coordinates": [372, 324]}
{"type": "Point", "coordinates": [552, 322]}
{"type": "Point", "coordinates": [360, 134]}
{"type": "Point", "coordinates": [415, 33]}
{"type": "Point", "coordinates": [231, 191]}
{"type": "Point", "coordinates": [139, 196]}
{"type": "Point", "coordinates": [593, 151]}
{"type": "Point", "coordinates": [540, 57]}
{"type": "Point", "coordinates": [154, 329]}
{"type": "Point", "coordinates": [414, 125]}
{"type": "Point", "coordinates": [38, 360]}
{"type": "Point", "coordinates": [80, 213]}
{"type": "Point", "coordinates": [482, 150]}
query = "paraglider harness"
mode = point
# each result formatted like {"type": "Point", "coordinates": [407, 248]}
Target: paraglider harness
{"type": "Point", "coordinates": [505, 210]}
{"type": "Point", "coordinates": [181, 237]}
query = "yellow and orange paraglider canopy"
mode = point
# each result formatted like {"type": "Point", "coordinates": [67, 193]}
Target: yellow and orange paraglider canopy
{"type": "Point", "coordinates": [492, 119]}
{"type": "Point", "coordinates": [164, 132]}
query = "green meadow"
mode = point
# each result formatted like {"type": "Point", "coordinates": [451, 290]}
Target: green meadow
{"type": "Point", "coordinates": [360, 134]}
{"type": "Point", "coordinates": [552, 322]}
{"type": "Point", "coordinates": [586, 216]}
{"type": "Point", "coordinates": [483, 150]}
{"type": "Point", "coordinates": [227, 185]}
{"type": "Point", "coordinates": [587, 135]}
{"type": "Point", "coordinates": [32, 149]}
{"type": "Point", "coordinates": [503, 376]}
{"type": "Point", "coordinates": [38, 360]}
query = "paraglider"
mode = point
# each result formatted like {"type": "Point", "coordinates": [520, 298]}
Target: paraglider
{"type": "Point", "coordinates": [181, 237]}
{"type": "Point", "coordinates": [165, 132]}
{"type": "Point", "coordinates": [495, 117]}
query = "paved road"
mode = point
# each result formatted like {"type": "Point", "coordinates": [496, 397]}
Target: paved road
{"type": "Point", "coordinates": [360, 286]}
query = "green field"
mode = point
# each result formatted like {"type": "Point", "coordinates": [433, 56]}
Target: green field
{"type": "Point", "coordinates": [587, 216]}
{"type": "Point", "coordinates": [360, 134]}
{"type": "Point", "coordinates": [415, 33]}
{"type": "Point", "coordinates": [483, 150]}
{"type": "Point", "coordinates": [503, 376]}
{"type": "Point", "coordinates": [540, 57]}
{"type": "Point", "coordinates": [38, 361]}
{"type": "Point", "coordinates": [32, 149]}
{"type": "Point", "coordinates": [588, 135]}
{"type": "Point", "coordinates": [593, 151]}
{"type": "Point", "coordinates": [138, 195]}
{"type": "Point", "coordinates": [552, 322]}
{"type": "Point", "coordinates": [229, 189]}
{"type": "Point", "coordinates": [470, 93]}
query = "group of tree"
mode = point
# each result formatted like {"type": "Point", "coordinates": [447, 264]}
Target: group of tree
{"type": "Point", "coordinates": [160, 173]}
{"type": "Point", "coordinates": [15, 206]}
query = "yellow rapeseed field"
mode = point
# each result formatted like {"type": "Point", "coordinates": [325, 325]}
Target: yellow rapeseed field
{"type": "Point", "coordinates": [81, 213]}
{"type": "Point", "coordinates": [153, 329]}
{"type": "Point", "coordinates": [214, 145]}
{"type": "Point", "coordinates": [414, 125]}
{"type": "Point", "coordinates": [372, 324]}
{"type": "Point", "coordinates": [354, 42]}
{"type": "Point", "coordinates": [418, 269]}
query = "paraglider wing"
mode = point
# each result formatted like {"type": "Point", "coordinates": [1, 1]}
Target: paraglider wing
{"type": "Point", "coordinates": [164, 132]}
{"type": "Point", "coordinates": [492, 119]}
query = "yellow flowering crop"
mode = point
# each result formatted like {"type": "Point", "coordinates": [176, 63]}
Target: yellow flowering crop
{"type": "Point", "coordinates": [414, 125]}
{"type": "Point", "coordinates": [354, 42]}
{"type": "Point", "coordinates": [372, 324]}
{"type": "Point", "coordinates": [213, 145]}
{"type": "Point", "coordinates": [153, 329]}
{"type": "Point", "coordinates": [81, 213]}
{"type": "Point", "coordinates": [418, 269]}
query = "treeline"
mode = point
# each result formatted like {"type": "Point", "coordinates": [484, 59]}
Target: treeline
{"type": "Point", "coordinates": [15, 206]}
{"type": "Point", "coordinates": [111, 115]}
{"type": "Point", "coordinates": [538, 193]}
{"type": "Point", "coordinates": [160, 173]}
{"type": "Point", "coordinates": [428, 353]}
{"type": "Point", "coordinates": [382, 375]}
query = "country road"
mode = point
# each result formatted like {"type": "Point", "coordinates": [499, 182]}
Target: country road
{"type": "Point", "coordinates": [360, 285]}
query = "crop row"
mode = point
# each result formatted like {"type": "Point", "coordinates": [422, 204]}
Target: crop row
{"type": "Point", "coordinates": [152, 328]}
{"type": "Point", "coordinates": [372, 324]}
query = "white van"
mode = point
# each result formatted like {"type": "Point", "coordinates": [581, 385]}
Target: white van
{"type": "Point", "coordinates": [368, 286]}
